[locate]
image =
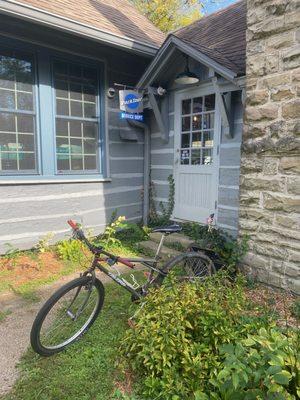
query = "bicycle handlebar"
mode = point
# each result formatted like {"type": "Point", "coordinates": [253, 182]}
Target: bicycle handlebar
{"type": "Point", "coordinates": [73, 224]}
{"type": "Point", "coordinates": [94, 249]}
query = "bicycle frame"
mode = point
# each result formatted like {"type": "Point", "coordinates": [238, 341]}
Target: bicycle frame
{"type": "Point", "coordinates": [111, 259]}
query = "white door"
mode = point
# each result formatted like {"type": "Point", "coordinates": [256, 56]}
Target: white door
{"type": "Point", "coordinates": [197, 126]}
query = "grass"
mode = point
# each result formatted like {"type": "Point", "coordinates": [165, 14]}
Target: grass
{"type": "Point", "coordinates": [4, 314]}
{"type": "Point", "coordinates": [86, 370]}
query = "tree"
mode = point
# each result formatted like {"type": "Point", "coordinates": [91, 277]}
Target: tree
{"type": "Point", "coordinates": [168, 15]}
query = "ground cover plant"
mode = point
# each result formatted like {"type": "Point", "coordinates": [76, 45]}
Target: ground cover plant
{"type": "Point", "coordinates": [207, 342]}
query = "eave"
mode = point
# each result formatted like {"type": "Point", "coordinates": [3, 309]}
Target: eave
{"type": "Point", "coordinates": [171, 44]}
{"type": "Point", "coordinates": [42, 17]}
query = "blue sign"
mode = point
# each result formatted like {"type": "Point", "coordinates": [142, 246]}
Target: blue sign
{"type": "Point", "coordinates": [132, 101]}
{"type": "Point", "coordinates": [131, 105]}
{"type": "Point", "coordinates": [135, 117]}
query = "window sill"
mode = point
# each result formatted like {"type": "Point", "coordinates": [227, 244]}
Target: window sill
{"type": "Point", "coordinates": [50, 181]}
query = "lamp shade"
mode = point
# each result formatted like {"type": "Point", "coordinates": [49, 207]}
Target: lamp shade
{"type": "Point", "coordinates": [186, 77]}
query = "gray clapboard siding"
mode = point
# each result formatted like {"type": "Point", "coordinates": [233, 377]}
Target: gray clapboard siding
{"type": "Point", "coordinates": [230, 152]}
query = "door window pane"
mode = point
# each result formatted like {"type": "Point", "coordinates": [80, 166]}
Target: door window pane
{"type": "Point", "coordinates": [197, 121]}
{"type": "Point", "coordinates": [185, 156]}
{"type": "Point", "coordinates": [186, 124]}
{"type": "Point", "coordinates": [77, 122]}
{"type": "Point", "coordinates": [186, 106]}
{"type": "Point", "coordinates": [17, 129]}
{"type": "Point", "coordinates": [207, 156]}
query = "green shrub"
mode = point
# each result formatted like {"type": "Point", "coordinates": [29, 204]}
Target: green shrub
{"type": "Point", "coordinates": [132, 233]}
{"type": "Point", "coordinates": [263, 366]}
{"type": "Point", "coordinates": [229, 249]}
{"type": "Point", "coordinates": [174, 347]}
{"type": "Point", "coordinates": [70, 250]}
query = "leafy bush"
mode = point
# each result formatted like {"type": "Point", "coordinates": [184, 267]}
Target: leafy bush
{"type": "Point", "coordinates": [109, 236]}
{"type": "Point", "coordinates": [132, 233]}
{"type": "Point", "coordinates": [263, 366]}
{"type": "Point", "coordinates": [70, 250]}
{"type": "Point", "coordinates": [229, 250]}
{"type": "Point", "coordinates": [175, 345]}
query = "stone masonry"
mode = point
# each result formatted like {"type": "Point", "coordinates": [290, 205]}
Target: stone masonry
{"type": "Point", "coordinates": [270, 166]}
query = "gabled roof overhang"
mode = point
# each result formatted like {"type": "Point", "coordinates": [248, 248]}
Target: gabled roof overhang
{"type": "Point", "coordinates": [42, 17]}
{"type": "Point", "coordinates": [164, 54]}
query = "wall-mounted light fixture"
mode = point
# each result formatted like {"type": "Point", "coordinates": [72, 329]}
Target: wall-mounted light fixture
{"type": "Point", "coordinates": [186, 77]}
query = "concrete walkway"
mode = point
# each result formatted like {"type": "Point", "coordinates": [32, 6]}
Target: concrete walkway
{"type": "Point", "coordinates": [15, 329]}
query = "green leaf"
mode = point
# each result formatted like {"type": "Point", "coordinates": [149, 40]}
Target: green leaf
{"type": "Point", "coordinates": [282, 378]}
{"type": "Point", "coordinates": [200, 396]}
{"type": "Point", "coordinates": [235, 381]}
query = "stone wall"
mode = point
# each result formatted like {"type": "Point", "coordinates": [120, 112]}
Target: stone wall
{"type": "Point", "coordinates": [270, 182]}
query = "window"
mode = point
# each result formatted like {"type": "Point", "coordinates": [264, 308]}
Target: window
{"type": "Point", "coordinates": [197, 130]}
{"type": "Point", "coordinates": [17, 113]}
{"type": "Point", "coordinates": [63, 136]}
{"type": "Point", "coordinates": [76, 117]}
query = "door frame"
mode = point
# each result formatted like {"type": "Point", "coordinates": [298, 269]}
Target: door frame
{"type": "Point", "coordinates": [190, 93]}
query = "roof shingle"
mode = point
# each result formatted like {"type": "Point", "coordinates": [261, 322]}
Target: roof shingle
{"type": "Point", "coordinates": [221, 36]}
{"type": "Point", "coordinates": [114, 16]}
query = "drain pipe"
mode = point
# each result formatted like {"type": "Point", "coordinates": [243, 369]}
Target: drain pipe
{"type": "Point", "coordinates": [145, 127]}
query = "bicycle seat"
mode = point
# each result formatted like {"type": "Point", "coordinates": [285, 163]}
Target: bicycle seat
{"type": "Point", "coordinates": [168, 229]}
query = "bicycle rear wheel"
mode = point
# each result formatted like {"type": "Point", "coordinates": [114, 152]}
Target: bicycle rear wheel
{"type": "Point", "coordinates": [67, 315]}
{"type": "Point", "coordinates": [189, 266]}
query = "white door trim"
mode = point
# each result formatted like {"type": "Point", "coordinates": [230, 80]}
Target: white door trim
{"type": "Point", "coordinates": [189, 93]}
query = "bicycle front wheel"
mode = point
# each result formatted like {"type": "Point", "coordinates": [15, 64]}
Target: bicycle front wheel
{"type": "Point", "coordinates": [67, 315]}
{"type": "Point", "coordinates": [189, 266]}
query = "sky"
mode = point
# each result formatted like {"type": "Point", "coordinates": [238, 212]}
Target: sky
{"type": "Point", "coordinates": [214, 5]}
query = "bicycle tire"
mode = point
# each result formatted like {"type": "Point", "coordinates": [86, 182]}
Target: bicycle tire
{"type": "Point", "coordinates": [78, 284]}
{"type": "Point", "coordinates": [208, 266]}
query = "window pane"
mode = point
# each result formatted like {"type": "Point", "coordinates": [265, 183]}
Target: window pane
{"type": "Point", "coordinates": [208, 139]}
{"type": "Point", "coordinates": [75, 91]}
{"type": "Point", "coordinates": [196, 139]}
{"type": "Point", "coordinates": [24, 101]}
{"type": "Point", "coordinates": [197, 121]}
{"type": "Point", "coordinates": [8, 161]}
{"type": "Point", "coordinates": [75, 128]}
{"type": "Point", "coordinates": [17, 130]}
{"type": "Point", "coordinates": [26, 142]}
{"type": "Point", "coordinates": [7, 122]}
{"type": "Point", "coordinates": [26, 161]}
{"type": "Point", "coordinates": [186, 106]}
{"type": "Point", "coordinates": [7, 99]}
{"type": "Point", "coordinates": [89, 146]}
{"type": "Point", "coordinates": [62, 89]}
{"type": "Point", "coordinates": [196, 157]}
{"type": "Point", "coordinates": [185, 157]}
{"type": "Point", "coordinates": [62, 107]}
{"type": "Point", "coordinates": [90, 162]}
{"type": "Point", "coordinates": [207, 158]}
{"type": "Point", "coordinates": [25, 123]}
{"type": "Point", "coordinates": [76, 163]}
{"type": "Point", "coordinates": [186, 123]}
{"type": "Point", "coordinates": [63, 164]}
{"type": "Point", "coordinates": [185, 140]}
{"type": "Point", "coordinates": [208, 121]}
{"type": "Point", "coordinates": [197, 105]}
{"type": "Point", "coordinates": [210, 102]}
{"type": "Point", "coordinates": [76, 96]}
{"type": "Point", "coordinates": [76, 109]}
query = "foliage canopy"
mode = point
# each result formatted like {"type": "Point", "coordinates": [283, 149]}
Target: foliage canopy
{"type": "Point", "coordinates": [168, 15]}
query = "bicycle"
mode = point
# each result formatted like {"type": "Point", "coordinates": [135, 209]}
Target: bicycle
{"type": "Point", "coordinates": [71, 310]}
